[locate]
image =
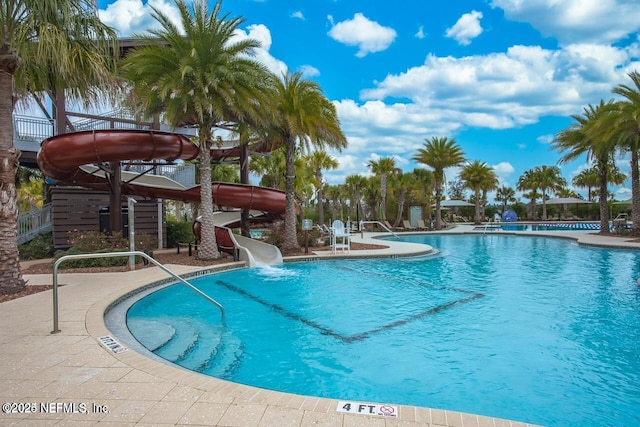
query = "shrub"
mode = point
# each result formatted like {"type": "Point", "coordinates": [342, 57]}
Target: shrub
{"type": "Point", "coordinates": [276, 235]}
{"type": "Point", "coordinates": [92, 262]}
{"type": "Point", "coordinates": [93, 242]}
{"type": "Point", "coordinates": [145, 242]}
{"type": "Point", "coordinates": [179, 232]}
{"type": "Point", "coordinates": [312, 237]}
{"type": "Point", "coordinates": [39, 248]}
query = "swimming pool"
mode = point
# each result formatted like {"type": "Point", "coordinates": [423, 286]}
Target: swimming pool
{"type": "Point", "coordinates": [524, 328]}
{"type": "Point", "coordinates": [543, 226]}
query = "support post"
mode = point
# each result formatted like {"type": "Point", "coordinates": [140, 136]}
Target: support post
{"type": "Point", "coordinates": [132, 234]}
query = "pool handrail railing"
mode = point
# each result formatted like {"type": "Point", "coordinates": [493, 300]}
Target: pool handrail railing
{"type": "Point", "coordinates": [111, 255]}
{"type": "Point", "coordinates": [362, 223]}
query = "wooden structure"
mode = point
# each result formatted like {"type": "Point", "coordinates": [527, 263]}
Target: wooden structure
{"type": "Point", "coordinates": [76, 208]}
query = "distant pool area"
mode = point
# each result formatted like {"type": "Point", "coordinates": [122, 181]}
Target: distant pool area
{"type": "Point", "coordinates": [526, 328]}
{"type": "Point", "coordinates": [541, 226]}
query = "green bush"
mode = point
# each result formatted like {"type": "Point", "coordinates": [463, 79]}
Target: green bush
{"type": "Point", "coordinates": [92, 262]}
{"type": "Point", "coordinates": [93, 242]}
{"type": "Point", "coordinates": [312, 237]}
{"type": "Point", "coordinates": [179, 232]}
{"type": "Point", "coordinates": [39, 248]}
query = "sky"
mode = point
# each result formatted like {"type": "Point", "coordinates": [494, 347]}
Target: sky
{"type": "Point", "coordinates": [501, 77]}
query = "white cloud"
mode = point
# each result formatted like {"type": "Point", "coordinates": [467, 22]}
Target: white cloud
{"type": "Point", "coordinates": [503, 169]}
{"type": "Point", "coordinates": [297, 14]}
{"type": "Point", "coordinates": [572, 21]}
{"type": "Point", "coordinates": [261, 33]}
{"type": "Point", "coordinates": [514, 88]}
{"type": "Point", "coordinates": [546, 139]}
{"type": "Point", "coordinates": [133, 16]}
{"type": "Point", "coordinates": [467, 28]}
{"type": "Point", "coordinates": [622, 193]}
{"type": "Point", "coordinates": [420, 34]}
{"type": "Point", "coordinates": [309, 71]}
{"type": "Point", "coordinates": [368, 35]}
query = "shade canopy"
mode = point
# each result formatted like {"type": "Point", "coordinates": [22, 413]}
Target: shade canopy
{"type": "Point", "coordinates": [623, 202]}
{"type": "Point", "coordinates": [565, 201]}
{"type": "Point", "coordinates": [454, 203]}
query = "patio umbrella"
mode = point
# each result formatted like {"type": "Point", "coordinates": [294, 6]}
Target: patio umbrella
{"type": "Point", "coordinates": [622, 202]}
{"type": "Point", "coordinates": [564, 201]}
{"type": "Point", "coordinates": [454, 203]}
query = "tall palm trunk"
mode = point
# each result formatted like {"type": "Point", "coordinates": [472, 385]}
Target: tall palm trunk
{"type": "Point", "coordinates": [477, 219]}
{"type": "Point", "coordinates": [320, 200]}
{"type": "Point", "coordinates": [604, 195]}
{"type": "Point", "coordinates": [383, 196]}
{"type": "Point", "coordinates": [401, 198]}
{"type": "Point", "coordinates": [290, 237]}
{"type": "Point", "coordinates": [208, 248]}
{"type": "Point", "coordinates": [438, 210]}
{"type": "Point", "coordinates": [635, 192]}
{"type": "Point", "coordinates": [10, 275]}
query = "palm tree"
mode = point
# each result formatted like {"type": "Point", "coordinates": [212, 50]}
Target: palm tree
{"type": "Point", "coordinates": [506, 195]}
{"type": "Point", "coordinates": [590, 178]}
{"type": "Point", "coordinates": [587, 178]}
{"type": "Point", "coordinates": [627, 131]}
{"type": "Point", "coordinates": [590, 134]}
{"type": "Point", "coordinates": [204, 77]}
{"type": "Point", "coordinates": [272, 168]}
{"type": "Point", "coordinates": [58, 47]}
{"type": "Point", "coordinates": [304, 117]}
{"type": "Point", "coordinates": [382, 168]}
{"type": "Point", "coordinates": [548, 178]}
{"type": "Point", "coordinates": [422, 193]}
{"type": "Point", "coordinates": [334, 194]}
{"type": "Point", "coordinates": [405, 184]}
{"type": "Point", "coordinates": [319, 161]}
{"type": "Point", "coordinates": [439, 154]}
{"type": "Point", "coordinates": [478, 175]}
{"type": "Point", "coordinates": [528, 181]}
{"type": "Point", "coordinates": [30, 190]}
{"type": "Point", "coordinates": [354, 185]}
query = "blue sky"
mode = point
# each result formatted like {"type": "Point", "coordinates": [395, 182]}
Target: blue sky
{"type": "Point", "coordinates": [501, 77]}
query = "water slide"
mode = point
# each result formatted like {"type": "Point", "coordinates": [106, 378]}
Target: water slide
{"type": "Point", "coordinates": [69, 158]}
{"type": "Point", "coordinates": [253, 252]}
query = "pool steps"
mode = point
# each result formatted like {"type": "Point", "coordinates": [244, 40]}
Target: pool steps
{"type": "Point", "coordinates": [191, 345]}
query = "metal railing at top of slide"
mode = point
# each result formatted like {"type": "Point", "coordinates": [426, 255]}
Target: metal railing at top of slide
{"type": "Point", "coordinates": [111, 255]}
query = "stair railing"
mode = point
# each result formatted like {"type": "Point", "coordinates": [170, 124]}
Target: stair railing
{"type": "Point", "coordinates": [112, 255]}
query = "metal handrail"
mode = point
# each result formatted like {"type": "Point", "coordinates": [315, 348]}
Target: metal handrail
{"type": "Point", "coordinates": [35, 222]}
{"type": "Point", "coordinates": [111, 255]}
{"type": "Point", "coordinates": [379, 223]}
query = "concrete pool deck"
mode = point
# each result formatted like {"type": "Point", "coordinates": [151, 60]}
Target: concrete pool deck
{"type": "Point", "coordinates": [69, 378]}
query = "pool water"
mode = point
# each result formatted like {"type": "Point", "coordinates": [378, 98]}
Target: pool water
{"type": "Point", "coordinates": [525, 328]}
{"type": "Point", "coordinates": [552, 226]}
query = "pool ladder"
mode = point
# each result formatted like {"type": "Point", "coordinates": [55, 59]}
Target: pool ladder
{"type": "Point", "coordinates": [112, 255]}
{"type": "Point", "coordinates": [489, 225]}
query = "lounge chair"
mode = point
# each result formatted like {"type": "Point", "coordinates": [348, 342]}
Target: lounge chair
{"type": "Point", "coordinates": [340, 237]}
{"type": "Point", "coordinates": [407, 225]}
{"type": "Point", "coordinates": [391, 227]}
{"type": "Point", "coordinates": [422, 225]}
{"type": "Point", "coordinates": [323, 228]}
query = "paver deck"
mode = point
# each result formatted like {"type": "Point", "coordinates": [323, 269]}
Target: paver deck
{"type": "Point", "coordinates": [69, 378]}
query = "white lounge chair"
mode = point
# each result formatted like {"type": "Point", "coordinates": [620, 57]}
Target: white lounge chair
{"type": "Point", "coordinates": [340, 237]}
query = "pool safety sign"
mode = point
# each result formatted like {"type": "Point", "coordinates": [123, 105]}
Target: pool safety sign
{"type": "Point", "coordinates": [109, 342]}
{"type": "Point", "coordinates": [367, 409]}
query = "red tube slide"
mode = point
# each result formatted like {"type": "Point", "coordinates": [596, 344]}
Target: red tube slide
{"type": "Point", "coordinates": [61, 156]}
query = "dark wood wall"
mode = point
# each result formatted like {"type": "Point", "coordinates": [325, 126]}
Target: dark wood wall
{"type": "Point", "coordinates": [75, 208]}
